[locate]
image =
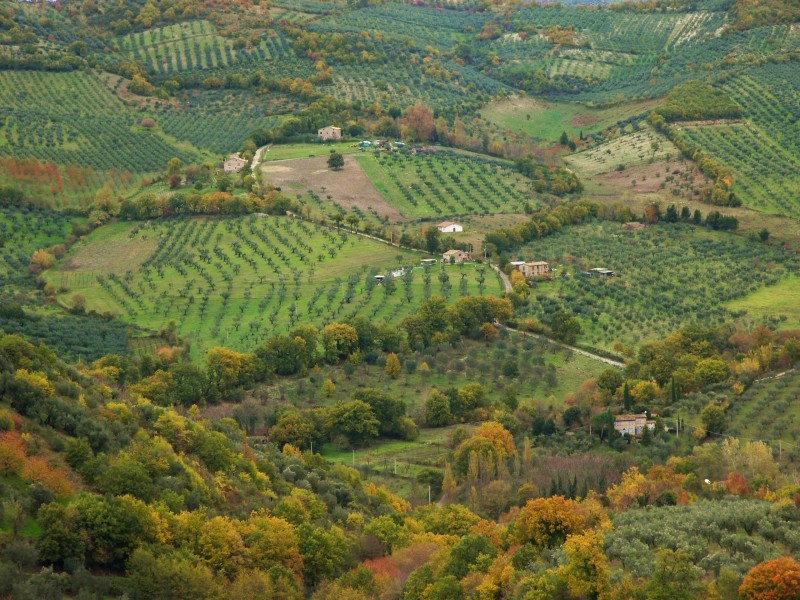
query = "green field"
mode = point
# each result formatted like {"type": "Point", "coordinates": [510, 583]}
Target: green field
{"type": "Point", "coordinates": [287, 151]}
{"type": "Point", "coordinates": [777, 304]}
{"type": "Point", "coordinates": [447, 183]}
{"type": "Point", "coordinates": [233, 282]}
{"type": "Point", "coordinates": [666, 277]}
{"type": "Point", "coordinates": [546, 120]}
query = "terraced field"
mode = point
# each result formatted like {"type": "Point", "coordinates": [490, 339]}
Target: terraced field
{"type": "Point", "coordinates": [233, 282]}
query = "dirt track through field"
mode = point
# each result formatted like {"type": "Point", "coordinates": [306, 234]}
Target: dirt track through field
{"type": "Point", "coordinates": [349, 187]}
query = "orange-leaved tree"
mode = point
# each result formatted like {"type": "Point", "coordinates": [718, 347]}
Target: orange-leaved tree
{"type": "Point", "coordinates": [777, 579]}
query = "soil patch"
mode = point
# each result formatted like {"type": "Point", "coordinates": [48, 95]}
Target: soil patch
{"type": "Point", "coordinates": [583, 120]}
{"type": "Point", "coordinates": [660, 176]}
{"type": "Point", "coordinates": [350, 187]}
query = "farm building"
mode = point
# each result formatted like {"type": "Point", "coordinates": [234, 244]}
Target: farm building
{"type": "Point", "coordinates": [448, 227]}
{"type": "Point", "coordinates": [532, 269]}
{"type": "Point", "coordinates": [234, 164]}
{"type": "Point", "coordinates": [428, 261]}
{"type": "Point", "coordinates": [330, 133]}
{"type": "Point", "coordinates": [456, 256]}
{"type": "Point", "coordinates": [602, 271]}
{"type": "Point", "coordinates": [633, 425]}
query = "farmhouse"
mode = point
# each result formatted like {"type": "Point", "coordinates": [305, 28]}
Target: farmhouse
{"type": "Point", "coordinates": [448, 227]}
{"type": "Point", "coordinates": [456, 256]}
{"type": "Point", "coordinates": [330, 133]}
{"type": "Point", "coordinates": [234, 164]}
{"type": "Point", "coordinates": [533, 269]}
{"type": "Point", "coordinates": [633, 425]}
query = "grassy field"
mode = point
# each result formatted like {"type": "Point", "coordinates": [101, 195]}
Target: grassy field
{"type": "Point", "coordinates": [232, 282]}
{"type": "Point", "coordinates": [546, 120]}
{"type": "Point", "coordinates": [779, 304]}
{"type": "Point", "coordinates": [287, 151]}
{"type": "Point", "coordinates": [666, 277]}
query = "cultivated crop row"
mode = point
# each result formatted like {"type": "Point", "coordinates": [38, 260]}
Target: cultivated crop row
{"type": "Point", "coordinates": [667, 277]}
{"type": "Point", "coordinates": [235, 281]}
{"type": "Point", "coordinates": [72, 118]}
{"type": "Point", "coordinates": [447, 184]}
{"type": "Point", "coordinates": [194, 45]}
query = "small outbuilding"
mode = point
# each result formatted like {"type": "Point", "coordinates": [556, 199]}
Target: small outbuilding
{"type": "Point", "coordinates": [329, 133]}
{"type": "Point", "coordinates": [448, 227]}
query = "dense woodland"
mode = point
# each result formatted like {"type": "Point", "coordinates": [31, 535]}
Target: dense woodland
{"type": "Point", "coordinates": [271, 383]}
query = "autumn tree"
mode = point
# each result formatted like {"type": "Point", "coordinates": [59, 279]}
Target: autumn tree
{"type": "Point", "coordinates": [392, 365]}
{"type": "Point", "coordinates": [418, 123]}
{"type": "Point", "coordinates": [339, 340]}
{"type": "Point", "coordinates": [777, 579]}
{"type": "Point", "coordinates": [546, 522]}
{"type": "Point", "coordinates": [586, 570]}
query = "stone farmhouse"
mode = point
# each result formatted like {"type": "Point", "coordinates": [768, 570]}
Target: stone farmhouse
{"type": "Point", "coordinates": [533, 269]}
{"type": "Point", "coordinates": [330, 133]}
{"type": "Point", "coordinates": [456, 256]}
{"type": "Point", "coordinates": [633, 425]}
{"type": "Point", "coordinates": [234, 164]}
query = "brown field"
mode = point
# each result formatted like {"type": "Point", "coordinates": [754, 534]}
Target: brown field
{"type": "Point", "coordinates": [349, 187]}
{"type": "Point", "coordinates": [111, 256]}
{"type": "Point", "coordinates": [649, 178]}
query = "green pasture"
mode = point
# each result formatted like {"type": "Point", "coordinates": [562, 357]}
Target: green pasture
{"type": "Point", "coordinates": [446, 183]}
{"type": "Point", "coordinates": [235, 281]}
{"type": "Point", "coordinates": [777, 304]}
{"type": "Point", "coordinates": [546, 120]}
{"type": "Point", "coordinates": [629, 150]}
{"type": "Point", "coordinates": [288, 151]}
{"type": "Point", "coordinates": [667, 277]}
